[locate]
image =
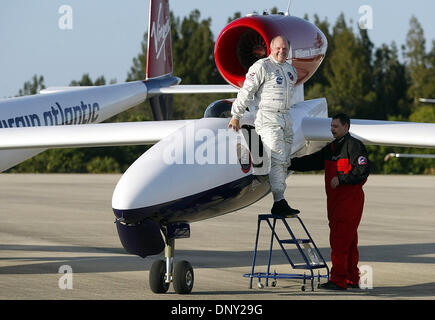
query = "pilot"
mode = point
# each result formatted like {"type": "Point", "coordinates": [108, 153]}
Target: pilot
{"type": "Point", "coordinates": [346, 170]}
{"type": "Point", "coordinates": [271, 82]}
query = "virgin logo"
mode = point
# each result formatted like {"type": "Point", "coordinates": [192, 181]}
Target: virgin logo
{"type": "Point", "coordinates": [159, 32]}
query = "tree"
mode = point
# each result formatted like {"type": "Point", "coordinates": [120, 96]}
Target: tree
{"type": "Point", "coordinates": [87, 81]}
{"type": "Point", "coordinates": [138, 70]}
{"type": "Point", "coordinates": [193, 51]}
{"type": "Point", "coordinates": [418, 66]}
{"type": "Point", "coordinates": [349, 72]}
{"type": "Point", "coordinates": [366, 46]}
{"type": "Point", "coordinates": [316, 86]}
{"type": "Point", "coordinates": [390, 84]}
{"type": "Point", "coordinates": [429, 86]}
{"type": "Point", "coordinates": [235, 16]}
{"type": "Point", "coordinates": [33, 86]}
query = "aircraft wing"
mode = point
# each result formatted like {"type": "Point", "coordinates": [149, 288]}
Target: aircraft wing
{"type": "Point", "coordinates": [89, 135]}
{"type": "Point", "coordinates": [195, 88]}
{"type": "Point", "coordinates": [177, 89]}
{"type": "Point", "coordinates": [388, 133]}
{"type": "Point", "coordinates": [427, 100]}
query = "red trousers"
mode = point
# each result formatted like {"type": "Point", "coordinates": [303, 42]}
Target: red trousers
{"type": "Point", "coordinates": [345, 206]}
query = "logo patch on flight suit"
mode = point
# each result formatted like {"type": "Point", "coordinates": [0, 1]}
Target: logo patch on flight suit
{"type": "Point", "coordinates": [290, 75]}
{"type": "Point", "coordinates": [362, 160]}
{"type": "Point", "coordinates": [279, 80]}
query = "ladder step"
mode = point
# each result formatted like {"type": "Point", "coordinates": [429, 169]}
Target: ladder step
{"type": "Point", "coordinates": [312, 266]}
{"type": "Point", "coordinates": [296, 241]}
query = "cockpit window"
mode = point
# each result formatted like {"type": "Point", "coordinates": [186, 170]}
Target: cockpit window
{"type": "Point", "coordinates": [219, 109]}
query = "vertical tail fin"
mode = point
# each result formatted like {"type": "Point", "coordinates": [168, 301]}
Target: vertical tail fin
{"type": "Point", "coordinates": [159, 54]}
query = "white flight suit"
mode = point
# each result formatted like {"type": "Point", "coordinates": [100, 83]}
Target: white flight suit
{"type": "Point", "coordinates": [271, 84]}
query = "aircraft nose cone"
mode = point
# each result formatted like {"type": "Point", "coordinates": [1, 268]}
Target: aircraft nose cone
{"type": "Point", "coordinates": [179, 166]}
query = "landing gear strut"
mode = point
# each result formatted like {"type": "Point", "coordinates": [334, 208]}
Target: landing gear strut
{"type": "Point", "coordinates": [180, 274]}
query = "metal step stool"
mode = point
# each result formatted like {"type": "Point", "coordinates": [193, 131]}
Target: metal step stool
{"type": "Point", "coordinates": [311, 255]}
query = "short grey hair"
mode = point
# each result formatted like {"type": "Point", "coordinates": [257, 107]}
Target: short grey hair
{"type": "Point", "coordinates": [282, 37]}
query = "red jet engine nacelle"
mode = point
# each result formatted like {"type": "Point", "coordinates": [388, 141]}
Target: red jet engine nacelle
{"type": "Point", "coordinates": [247, 39]}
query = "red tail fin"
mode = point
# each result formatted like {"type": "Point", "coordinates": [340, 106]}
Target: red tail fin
{"type": "Point", "coordinates": [159, 54]}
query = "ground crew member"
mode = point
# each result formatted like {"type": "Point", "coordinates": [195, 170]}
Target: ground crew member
{"type": "Point", "coordinates": [346, 167]}
{"type": "Point", "coordinates": [271, 82]}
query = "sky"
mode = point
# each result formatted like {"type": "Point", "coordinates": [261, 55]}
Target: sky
{"type": "Point", "coordinates": [106, 35]}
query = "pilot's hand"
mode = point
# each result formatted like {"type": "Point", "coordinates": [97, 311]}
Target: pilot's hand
{"type": "Point", "coordinates": [235, 124]}
{"type": "Point", "coordinates": [334, 182]}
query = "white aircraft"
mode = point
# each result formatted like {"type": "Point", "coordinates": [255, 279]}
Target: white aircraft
{"type": "Point", "coordinates": [408, 155]}
{"type": "Point", "coordinates": [427, 100]}
{"type": "Point", "coordinates": [196, 169]}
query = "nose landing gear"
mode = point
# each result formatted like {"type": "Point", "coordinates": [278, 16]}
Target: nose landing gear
{"type": "Point", "coordinates": [180, 274]}
{"type": "Point", "coordinates": [183, 277]}
{"type": "Point", "coordinates": [157, 277]}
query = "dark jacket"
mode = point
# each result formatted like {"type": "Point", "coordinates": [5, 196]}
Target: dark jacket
{"type": "Point", "coordinates": [350, 155]}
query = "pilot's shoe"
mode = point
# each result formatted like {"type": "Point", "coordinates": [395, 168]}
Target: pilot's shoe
{"type": "Point", "coordinates": [281, 208]}
{"type": "Point", "coordinates": [331, 286]}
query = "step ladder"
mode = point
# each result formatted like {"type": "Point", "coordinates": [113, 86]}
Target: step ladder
{"type": "Point", "coordinates": [308, 250]}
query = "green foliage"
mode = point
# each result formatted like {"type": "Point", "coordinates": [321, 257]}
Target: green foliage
{"type": "Point", "coordinates": [87, 81]}
{"type": "Point", "coordinates": [349, 74]}
{"type": "Point", "coordinates": [102, 165]}
{"type": "Point", "coordinates": [193, 51]}
{"type": "Point", "coordinates": [54, 161]}
{"type": "Point", "coordinates": [390, 84]}
{"type": "Point", "coordinates": [236, 15]}
{"type": "Point", "coordinates": [33, 86]}
{"type": "Point", "coordinates": [416, 54]}
{"type": "Point", "coordinates": [138, 70]}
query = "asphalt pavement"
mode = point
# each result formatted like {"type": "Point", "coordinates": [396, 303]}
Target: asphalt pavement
{"type": "Point", "coordinates": [58, 241]}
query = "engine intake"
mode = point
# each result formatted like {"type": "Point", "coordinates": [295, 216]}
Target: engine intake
{"type": "Point", "coordinates": [247, 39]}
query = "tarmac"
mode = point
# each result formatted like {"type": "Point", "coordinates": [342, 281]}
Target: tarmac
{"type": "Point", "coordinates": [64, 222]}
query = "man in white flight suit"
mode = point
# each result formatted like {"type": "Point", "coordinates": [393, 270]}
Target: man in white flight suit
{"type": "Point", "coordinates": [271, 82]}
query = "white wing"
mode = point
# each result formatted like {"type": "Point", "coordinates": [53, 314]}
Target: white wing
{"type": "Point", "coordinates": [427, 100]}
{"type": "Point", "coordinates": [89, 135]}
{"type": "Point", "coordinates": [178, 89]}
{"type": "Point", "coordinates": [63, 89]}
{"type": "Point", "coordinates": [195, 88]}
{"type": "Point", "coordinates": [388, 133]}
{"type": "Point", "coordinates": [404, 134]}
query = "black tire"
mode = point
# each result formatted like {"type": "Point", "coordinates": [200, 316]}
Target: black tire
{"type": "Point", "coordinates": [157, 277]}
{"type": "Point", "coordinates": [183, 277]}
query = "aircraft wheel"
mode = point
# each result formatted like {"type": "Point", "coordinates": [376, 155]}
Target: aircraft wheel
{"type": "Point", "coordinates": [157, 277]}
{"type": "Point", "coordinates": [183, 277]}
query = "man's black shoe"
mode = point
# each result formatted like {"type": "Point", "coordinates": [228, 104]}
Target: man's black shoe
{"type": "Point", "coordinates": [281, 208]}
{"type": "Point", "coordinates": [330, 286]}
{"type": "Point", "coordinates": [352, 285]}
